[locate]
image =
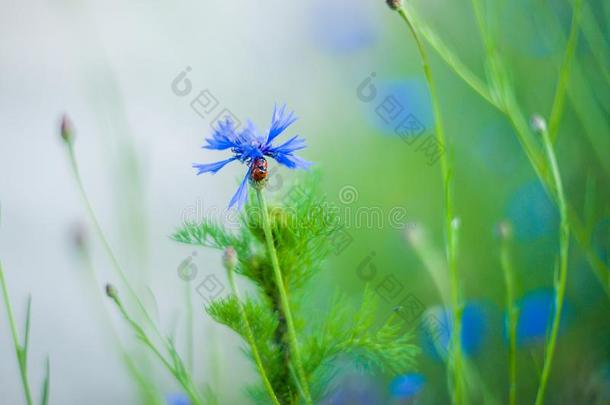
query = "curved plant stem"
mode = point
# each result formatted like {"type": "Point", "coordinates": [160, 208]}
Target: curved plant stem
{"type": "Point", "coordinates": [450, 231]}
{"type": "Point", "coordinates": [102, 238]}
{"type": "Point", "coordinates": [146, 388]}
{"type": "Point", "coordinates": [179, 372]}
{"type": "Point", "coordinates": [181, 375]}
{"type": "Point", "coordinates": [20, 351]}
{"type": "Point", "coordinates": [251, 340]}
{"type": "Point", "coordinates": [599, 268]}
{"type": "Point", "coordinates": [292, 336]}
{"type": "Point", "coordinates": [511, 309]}
{"type": "Point", "coordinates": [564, 73]}
{"type": "Point", "coordinates": [561, 276]}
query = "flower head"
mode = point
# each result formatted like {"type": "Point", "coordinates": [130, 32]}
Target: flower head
{"type": "Point", "coordinates": [250, 147]}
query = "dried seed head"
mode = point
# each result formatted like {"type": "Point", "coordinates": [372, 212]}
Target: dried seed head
{"type": "Point", "coordinates": [111, 291]}
{"type": "Point", "coordinates": [229, 258]}
{"type": "Point", "coordinates": [394, 4]}
{"type": "Point", "coordinates": [538, 123]}
{"type": "Point", "coordinates": [66, 129]}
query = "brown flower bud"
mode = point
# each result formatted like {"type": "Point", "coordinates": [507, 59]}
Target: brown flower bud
{"type": "Point", "coordinates": [229, 258]}
{"type": "Point", "coordinates": [394, 4]}
{"type": "Point", "coordinates": [66, 129]}
{"type": "Point", "coordinates": [111, 291]}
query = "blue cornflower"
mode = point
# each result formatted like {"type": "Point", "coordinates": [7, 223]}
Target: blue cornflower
{"type": "Point", "coordinates": [435, 330]}
{"type": "Point", "coordinates": [535, 316]}
{"type": "Point", "coordinates": [177, 399]}
{"type": "Point", "coordinates": [249, 146]}
{"type": "Point", "coordinates": [407, 386]}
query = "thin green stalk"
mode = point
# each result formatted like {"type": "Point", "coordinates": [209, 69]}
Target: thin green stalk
{"type": "Point", "coordinates": [449, 231]}
{"type": "Point", "coordinates": [102, 237]}
{"type": "Point", "coordinates": [279, 281]}
{"type": "Point", "coordinates": [20, 351]}
{"type": "Point", "coordinates": [564, 73]}
{"type": "Point", "coordinates": [189, 327]}
{"type": "Point", "coordinates": [511, 309]}
{"type": "Point", "coordinates": [561, 277]}
{"type": "Point", "coordinates": [180, 376]}
{"type": "Point", "coordinates": [146, 389]}
{"type": "Point", "coordinates": [251, 340]}
{"type": "Point", "coordinates": [511, 109]}
{"type": "Point", "coordinates": [179, 373]}
{"type": "Point", "coordinates": [478, 85]}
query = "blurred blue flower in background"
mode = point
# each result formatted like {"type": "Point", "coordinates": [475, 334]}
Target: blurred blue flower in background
{"type": "Point", "coordinates": [343, 26]}
{"type": "Point", "coordinates": [531, 212]}
{"type": "Point", "coordinates": [436, 324]}
{"type": "Point", "coordinates": [355, 390]}
{"type": "Point", "coordinates": [535, 316]}
{"type": "Point", "coordinates": [397, 102]}
{"type": "Point", "coordinates": [177, 399]}
{"type": "Point", "coordinates": [407, 386]}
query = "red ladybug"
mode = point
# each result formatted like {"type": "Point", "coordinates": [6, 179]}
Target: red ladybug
{"type": "Point", "coordinates": [259, 169]}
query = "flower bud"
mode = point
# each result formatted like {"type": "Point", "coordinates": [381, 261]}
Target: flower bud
{"type": "Point", "coordinates": [66, 129]}
{"type": "Point", "coordinates": [394, 4]}
{"type": "Point", "coordinates": [229, 258]}
{"type": "Point", "coordinates": [538, 123]}
{"type": "Point", "coordinates": [111, 291]}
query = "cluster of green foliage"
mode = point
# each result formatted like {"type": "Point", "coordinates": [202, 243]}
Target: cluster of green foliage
{"type": "Point", "coordinates": [302, 227]}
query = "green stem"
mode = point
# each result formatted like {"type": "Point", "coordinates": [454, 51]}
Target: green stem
{"type": "Point", "coordinates": [292, 336]}
{"type": "Point", "coordinates": [599, 268]}
{"type": "Point", "coordinates": [125, 280]}
{"type": "Point", "coordinates": [102, 237]}
{"type": "Point", "coordinates": [20, 351]}
{"type": "Point", "coordinates": [182, 377]}
{"type": "Point", "coordinates": [451, 234]}
{"type": "Point", "coordinates": [511, 308]}
{"type": "Point", "coordinates": [564, 73]}
{"type": "Point", "coordinates": [146, 389]}
{"type": "Point", "coordinates": [189, 326]}
{"type": "Point", "coordinates": [561, 280]}
{"type": "Point", "coordinates": [251, 340]}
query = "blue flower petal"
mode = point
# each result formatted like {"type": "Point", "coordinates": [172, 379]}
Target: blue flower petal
{"type": "Point", "coordinates": [407, 386]}
{"type": "Point", "coordinates": [223, 136]}
{"type": "Point", "coordinates": [212, 167]}
{"type": "Point", "coordinates": [279, 122]}
{"type": "Point", "coordinates": [291, 161]}
{"type": "Point", "coordinates": [292, 145]}
{"type": "Point", "coordinates": [241, 195]}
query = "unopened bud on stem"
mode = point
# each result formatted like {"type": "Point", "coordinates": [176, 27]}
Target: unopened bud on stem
{"type": "Point", "coordinates": [394, 4]}
{"type": "Point", "coordinates": [66, 130]}
{"type": "Point", "coordinates": [538, 123]}
{"type": "Point", "coordinates": [229, 258]}
{"type": "Point", "coordinates": [111, 291]}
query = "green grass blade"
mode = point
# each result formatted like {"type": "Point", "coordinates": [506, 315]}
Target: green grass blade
{"type": "Point", "coordinates": [46, 386]}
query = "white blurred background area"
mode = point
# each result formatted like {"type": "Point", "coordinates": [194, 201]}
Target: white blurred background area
{"type": "Point", "coordinates": [109, 66]}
